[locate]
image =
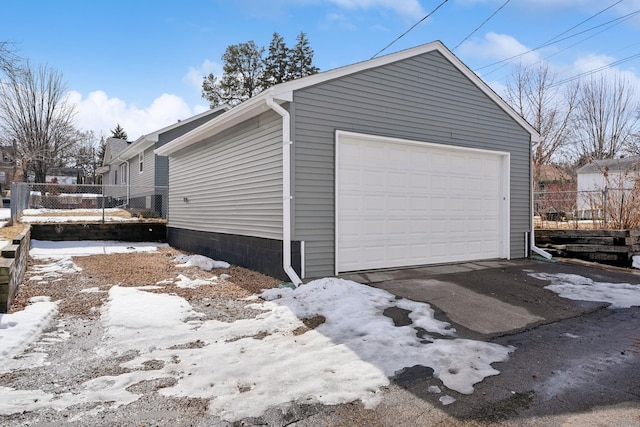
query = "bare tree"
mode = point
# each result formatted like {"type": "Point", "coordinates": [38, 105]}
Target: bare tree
{"type": "Point", "coordinates": [9, 60]}
{"type": "Point", "coordinates": [36, 118]}
{"type": "Point", "coordinates": [607, 118]}
{"type": "Point", "coordinates": [533, 93]}
{"type": "Point", "coordinates": [85, 156]}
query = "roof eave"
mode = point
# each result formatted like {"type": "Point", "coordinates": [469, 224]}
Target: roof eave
{"type": "Point", "coordinates": [230, 118]}
{"type": "Point", "coordinates": [284, 92]}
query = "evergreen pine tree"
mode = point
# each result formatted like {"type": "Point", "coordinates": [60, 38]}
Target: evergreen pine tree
{"type": "Point", "coordinates": [301, 58]}
{"type": "Point", "coordinates": [119, 132]}
{"type": "Point", "coordinates": [276, 64]}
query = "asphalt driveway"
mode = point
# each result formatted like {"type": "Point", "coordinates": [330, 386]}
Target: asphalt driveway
{"type": "Point", "coordinates": [573, 359]}
{"type": "Point", "coordinates": [486, 299]}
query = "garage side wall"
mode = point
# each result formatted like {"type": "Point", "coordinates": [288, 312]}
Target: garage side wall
{"type": "Point", "coordinates": [230, 183]}
{"type": "Point", "coordinates": [424, 98]}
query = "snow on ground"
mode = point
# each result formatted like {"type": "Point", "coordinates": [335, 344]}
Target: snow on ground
{"type": "Point", "coordinates": [201, 262]}
{"type": "Point", "coordinates": [44, 249]}
{"type": "Point", "coordinates": [576, 287]}
{"type": "Point", "coordinates": [20, 329]}
{"type": "Point", "coordinates": [636, 261]}
{"type": "Point", "coordinates": [246, 366]}
{"type": "Point", "coordinates": [5, 214]}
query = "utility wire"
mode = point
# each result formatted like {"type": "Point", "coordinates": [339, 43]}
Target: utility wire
{"type": "Point", "coordinates": [412, 27]}
{"type": "Point", "coordinates": [578, 42]}
{"type": "Point", "coordinates": [550, 42]}
{"type": "Point", "coordinates": [586, 20]}
{"type": "Point", "coordinates": [484, 22]}
{"type": "Point", "coordinates": [596, 70]}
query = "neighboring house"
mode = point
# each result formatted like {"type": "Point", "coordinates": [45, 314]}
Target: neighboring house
{"type": "Point", "coordinates": [7, 167]}
{"type": "Point", "coordinates": [137, 178]}
{"type": "Point", "coordinates": [618, 176]}
{"type": "Point", "coordinates": [555, 195]}
{"type": "Point", "coordinates": [403, 160]}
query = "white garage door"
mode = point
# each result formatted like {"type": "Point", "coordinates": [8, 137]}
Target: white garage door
{"type": "Point", "coordinates": [401, 203]}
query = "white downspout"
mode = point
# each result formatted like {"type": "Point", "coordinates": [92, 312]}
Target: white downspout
{"type": "Point", "coordinates": [286, 190]}
{"type": "Point", "coordinates": [534, 248]}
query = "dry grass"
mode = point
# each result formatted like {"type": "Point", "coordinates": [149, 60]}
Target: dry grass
{"type": "Point", "coordinates": [10, 232]}
{"type": "Point", "coordinates": [568, 225]}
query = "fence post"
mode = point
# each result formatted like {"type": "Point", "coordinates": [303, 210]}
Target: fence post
{"type": "Point", "coordinates": [605, 196]}
{"type": "Point", "coordinates": [103, 200]}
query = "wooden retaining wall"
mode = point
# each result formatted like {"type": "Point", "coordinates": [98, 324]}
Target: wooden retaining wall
{"type": "Point", "coordinates": [121, 231]}
{"type": "Point", "coordinates": [614, 247]}
{"type": "Point", "coordinates": [13, 264]}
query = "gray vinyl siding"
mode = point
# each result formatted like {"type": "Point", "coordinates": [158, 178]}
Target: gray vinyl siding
{"type": "Point", "coordinates": [232, 182]}
{"type": "Point", "coordinates": [424, 98]}
{"type": "Point", "coordinates": [146, 178]}
{"type": "Point", "coordinates": [161, 163]}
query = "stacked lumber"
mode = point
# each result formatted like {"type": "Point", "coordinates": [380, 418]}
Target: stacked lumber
{"type": "Point", "coordinates": [614, 247]}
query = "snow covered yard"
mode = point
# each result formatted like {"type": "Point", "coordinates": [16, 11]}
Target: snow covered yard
{"type": "Point", "coordinates": [112, 333]}
{"type": "Point", "coordinates": [102, 339]}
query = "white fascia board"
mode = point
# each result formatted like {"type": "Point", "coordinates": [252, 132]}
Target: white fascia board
{"type": "Point", "coordinates": [232, 117]}
{"type": "Point", "coordinates": [138, 146]}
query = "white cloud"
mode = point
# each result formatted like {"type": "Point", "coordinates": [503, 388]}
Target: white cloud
{"type": "Point", "coordinates": [341, 21]}
{"type": "Point", "coordinates": [410, 8]}
{"type": "Point", "coordinates": [195, 74]}
{"type": "Point", "coordinates": [499, 47]}
{"type": "Point", "coordinates": [100, 113]}
{"type": "Point", "coordinates": [591, 62]}
{"type": "Point", "coordinates": [595, 65]}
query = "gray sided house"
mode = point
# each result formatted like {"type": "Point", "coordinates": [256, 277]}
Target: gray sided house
{"type": "Point", "coordinates": [133, 176]}
{"type": "Point", "coordinates": [403, 160]}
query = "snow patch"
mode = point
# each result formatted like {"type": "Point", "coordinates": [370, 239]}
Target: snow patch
{"type": "Point", "coordinates": [200, 261]}
{"type": "Point", "coordinates": [18, 330]}
{"type": "Point", "coordinates": [576, 287]}
{"type": "Point", "coordinates": [184, 282]}
{"type": "Point", "coordinates": [63, 265]}
{"type": "Point", "coordinates": [43, 249]}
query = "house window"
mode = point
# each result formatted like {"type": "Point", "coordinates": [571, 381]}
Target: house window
{"type": "Point", "coordinates": [115, 176]}
{"type": "Point", "coordinates": [123, 173]}
{"type": "Point", "coordinates": [141, 162]}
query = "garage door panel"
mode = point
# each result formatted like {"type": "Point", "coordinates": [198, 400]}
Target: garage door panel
{"type": "Point", "coordinates": [401, 204]}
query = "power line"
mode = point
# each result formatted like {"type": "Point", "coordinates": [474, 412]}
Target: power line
{"type": "Point", "coordinates": [412, 27]}
{"type": "Point", "coordinates": [612, 23]}
{"type": "Point", "coordinates": [586, 20]}
{"type": "Point", "coordinates": [483, 22]}
{"type": "Point", "coordinates": [596, 70]}
{"type": "Point", "coordinates": [615, 21]}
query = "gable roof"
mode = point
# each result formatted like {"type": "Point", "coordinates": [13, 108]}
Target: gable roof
{"type": "Point", "coordinates": [148, 140]}
{"type": "Point", "coordinates": [114, 147]}
{"type": "Point", "coordinates": [283, 92]}
{"type": "Point", "coordinates": [625, 164]}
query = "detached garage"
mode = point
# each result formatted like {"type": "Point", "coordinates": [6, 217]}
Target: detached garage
{"type": "Point", "coordinates": [403, 160]}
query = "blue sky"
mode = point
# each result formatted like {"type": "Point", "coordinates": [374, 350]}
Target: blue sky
{"type": "Point", "coordinates": [140, 63]}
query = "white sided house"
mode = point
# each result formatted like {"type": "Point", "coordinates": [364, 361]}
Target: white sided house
{"type": "Point", "coordinates": [618, 177]}
{"type": "Point", "coordinates": [403, 160]}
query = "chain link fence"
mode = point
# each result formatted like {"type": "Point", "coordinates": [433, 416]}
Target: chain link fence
{"type": "Point", "coordinates": [142, 201]}
{"type": "Point", "coordinates": [610, 208]}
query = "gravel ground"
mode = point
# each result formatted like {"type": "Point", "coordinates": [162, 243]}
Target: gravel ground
{"type": "Point", "coordinates": [71, 342]}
